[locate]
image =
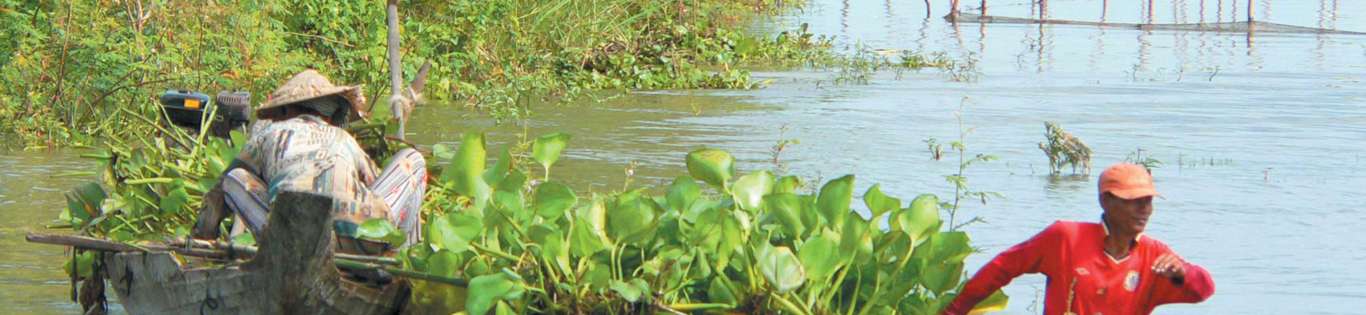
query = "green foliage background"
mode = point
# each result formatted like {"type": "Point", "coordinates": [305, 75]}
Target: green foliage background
{"type": "Point", "coordinates": [78, 71]}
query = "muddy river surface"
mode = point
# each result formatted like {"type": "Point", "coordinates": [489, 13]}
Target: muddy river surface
{"type": "Point", "coordinates": [1261, 139]}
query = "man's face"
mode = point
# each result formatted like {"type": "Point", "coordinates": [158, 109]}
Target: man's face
{"type": "Point", "coordinates": [1127, 215]}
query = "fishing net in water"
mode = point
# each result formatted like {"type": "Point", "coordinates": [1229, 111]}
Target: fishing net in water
{"type": "Point", "coordinates": [1225, 27]}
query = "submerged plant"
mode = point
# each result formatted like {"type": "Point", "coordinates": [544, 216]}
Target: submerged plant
{"type": "Point", "coordinates": [1063, 149]}
{"type": "Point", "coordinates": [1137, 157]}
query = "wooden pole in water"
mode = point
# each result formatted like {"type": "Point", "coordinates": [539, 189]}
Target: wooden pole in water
{"type": "Point", "coordinates": [1250, 6]}
{"type": "Point", "coordinates": [1150, 11]}
{"type": "Point", "coordinates": [1104, 8]}
{"type": "Point", "coordinates": [395, 71]}
{"type": "Point", "coordinates": [984, 7]}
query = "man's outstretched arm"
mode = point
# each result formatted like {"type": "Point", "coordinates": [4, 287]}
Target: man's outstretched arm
{"type": "Point", "coordinates": [1032, 256]}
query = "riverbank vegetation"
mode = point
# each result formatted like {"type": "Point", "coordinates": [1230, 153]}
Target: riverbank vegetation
{"type": "Point", "coordinates": [81, 71]}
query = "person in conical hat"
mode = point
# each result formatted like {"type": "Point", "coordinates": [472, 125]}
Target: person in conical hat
{"type": "Point", "coordinates": [298, 144]}
{"type": "Point", "coordinates": [310, 91]}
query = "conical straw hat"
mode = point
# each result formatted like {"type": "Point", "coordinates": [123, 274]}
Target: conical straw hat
{"type": "Point", "coordinates": [308, 85]}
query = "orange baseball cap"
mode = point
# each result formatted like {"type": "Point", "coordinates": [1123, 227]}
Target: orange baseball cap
{"type": "Point", "coordinates": [1128, 181]}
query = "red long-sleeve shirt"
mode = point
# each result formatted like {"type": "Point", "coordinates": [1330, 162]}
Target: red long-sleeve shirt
{"type": "Point", "coordinates": [1080, 273]}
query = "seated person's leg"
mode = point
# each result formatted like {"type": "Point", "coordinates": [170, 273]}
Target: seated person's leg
{"type": "Point", "coordinates": [402, 185]}
{"type": "Point", "coordinates": [245, 195]}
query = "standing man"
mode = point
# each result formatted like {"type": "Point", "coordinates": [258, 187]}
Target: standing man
{"type": "Point", "coordinates": [1099, 268]}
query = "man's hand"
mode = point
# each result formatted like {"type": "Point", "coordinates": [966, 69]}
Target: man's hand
{"type": "Point", "coordinates": [1170, 266]}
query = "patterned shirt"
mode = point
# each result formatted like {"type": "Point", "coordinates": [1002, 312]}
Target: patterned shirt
{"type": "Point", "coordinates": [306, 154]}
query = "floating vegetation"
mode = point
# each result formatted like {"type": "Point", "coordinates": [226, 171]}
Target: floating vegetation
{"type": "Point", "coordinates": [1063, 149]}
{"type": "Point", "coordinates": [1184, 161]}
{"type": "Point", "coordinates": [748, 244]}
{"type": "Point", "coordinates": [1148, 162]}
{"type": "Point", "coordinates": [859, 67]}
{"type": "Point", "coordinates": [936, 149]}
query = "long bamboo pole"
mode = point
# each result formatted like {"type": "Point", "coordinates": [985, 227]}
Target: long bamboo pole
{"type": "Point", "coordinates": [396, 72]}
{"type": "Point", "coordinates": [235, 251]}
{"type": "Point", "coordinates": [195, 248]}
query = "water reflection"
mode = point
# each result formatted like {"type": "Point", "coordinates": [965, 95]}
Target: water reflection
{"type": "Point", "coordinates": [1064, 187]}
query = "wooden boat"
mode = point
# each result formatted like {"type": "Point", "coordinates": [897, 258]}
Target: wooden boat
{"type": "Point", "coordinates": [292, 273]}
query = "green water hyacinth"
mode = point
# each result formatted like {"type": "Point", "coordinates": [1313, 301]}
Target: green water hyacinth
{"type": "Point", "coordinates": [715, 167]}
{"type": "Point", "coordinates": [754, 245]}
{"type": "Point", "coordinates": [546, 150]}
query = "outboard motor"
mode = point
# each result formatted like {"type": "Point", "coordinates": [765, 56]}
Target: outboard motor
{"type": "Point", "coordinates": [187, 109]}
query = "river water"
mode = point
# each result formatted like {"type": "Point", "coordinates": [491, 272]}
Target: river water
{"type": "Point", "coordinates": [1260, 138]}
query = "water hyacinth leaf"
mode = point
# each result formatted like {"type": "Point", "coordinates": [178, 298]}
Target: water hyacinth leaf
{"type": "Point", "coordinates": [453, 231]}
{"type": "Point", "coordinates": [503, 309]}
{"type": "Point", "coordinates": [486, 290]}
{"type": "Point", "coordinates": [782, 269]}
{"type": "Point", "coordinates": [817, 255]}
{"type": "Point", "coordinates": [553, 250]}
{"type": "Point", "coordinates": [787, 209]}
{"type": "Point", "coordinates": [630, 217]}
{"type": "Point", "coordinates": [584, 240]}
{"type": "Point", "coordinates": [442, 151]}
{"type": "Point", "coordinates": [941, 276]}
{"type": "Point", "coordinates": [81, 265]}
{"type": "Point", "coordinates": [732, 236]}
{"type": "Point", "coordinates": [546, 149]}
{"type": "Point", "coordinates": [444, 263]}
{"type": "Point", "coordinates": [995, 302]}
{"type": "Point", "coordinates": [553, 199]}
{"type": "Point", "coordinates": [510, 203]}
{"type": "Point", "coordinates": [952, 246]}
{"type": "Point", "coordinates": [175, 199]}
{"type": "Point", "coordinates": [502, 168]}
{"type": "Point", "coordinates": [749, 190]}
{"type": "Point", "coordinates": [682, 193]}
{"type": "Point", "coordinates": [719, 293]}
{"type": "Point", "coordinates": [834, 199]}
{"type": "Point", "coordinates": [478, 267]}
{"type": "Point", "coordinates": [380, 229]}
{"type": "Point", "coordinates": [598, 277]}
{"type": "Point", "coordinates": [879, 203]}
{"type": "Point", "coordinates": [83, 202]}
{"type": "Point", "coordinates": [465, 174]}
{"type": "Point", "coordinates": [513, 181]}
{"type": "Point", "coordinates": [855, 240]}
{"type": "Point", "coordinates": [787, 184]}
{"type": "Point", "coordinates": [920, 219]}
{"type": "Point", "coordinates": [630, 291]}
{"type": "Point", "coordinates": [712, 166]}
